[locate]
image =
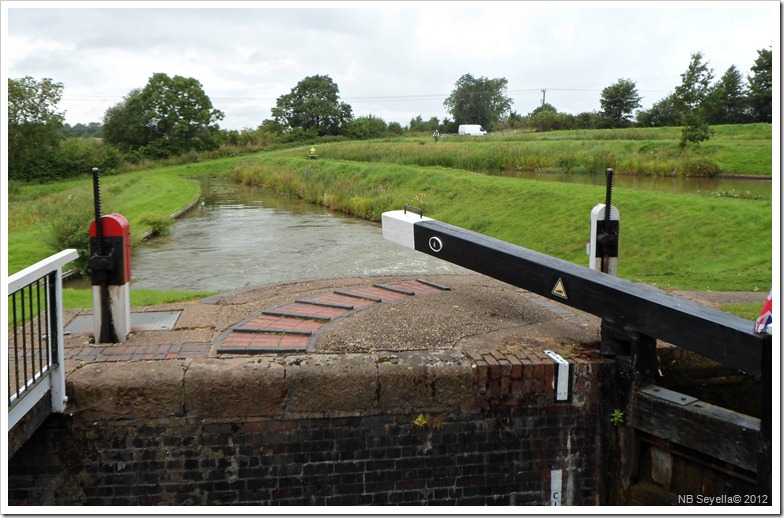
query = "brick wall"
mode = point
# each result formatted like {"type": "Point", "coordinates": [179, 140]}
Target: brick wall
{"type": "Point", "coordinates": [380, 429]}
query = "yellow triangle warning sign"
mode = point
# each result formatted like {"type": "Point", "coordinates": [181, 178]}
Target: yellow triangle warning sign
{"type": "Point", "coordinates": [559, 290]}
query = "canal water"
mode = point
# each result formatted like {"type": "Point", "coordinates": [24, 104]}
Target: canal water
{"type": "Point", "coordinates": [239, 237]}
{"type": "Point", "coordinates": [680, 184]}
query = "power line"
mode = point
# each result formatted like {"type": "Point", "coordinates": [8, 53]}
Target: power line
{"type": "Point", "coordinates": [360, 99]}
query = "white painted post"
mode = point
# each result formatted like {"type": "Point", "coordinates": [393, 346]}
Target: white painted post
{"type": "Point", "coordinates": [120, 307]}
{"type": "Point", "coordinates": [556, 487]}
{"type": "Point", "coordinates": [111, 277]}
{"type": "Point", "coordinates": [398, 226]}
{"type": "Point", "coordinates": [561, 380]}
{"type": "Point", "coordinates": [57, 374]}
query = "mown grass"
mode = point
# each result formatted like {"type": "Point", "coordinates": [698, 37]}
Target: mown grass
{"type": "Point", "coordinates": [675, 241]}
{"type": "Point", "coordinates": [75, 298]}
{"type": "Point", "coordinates": [34, 209]}
{"type": "Point", "coordinates": [745, 310]}
{"type": "Point", "coordinates": [741, 149]}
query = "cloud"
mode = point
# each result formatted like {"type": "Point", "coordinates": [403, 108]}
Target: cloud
{"type": "Point", "coordinates": [394, 60]}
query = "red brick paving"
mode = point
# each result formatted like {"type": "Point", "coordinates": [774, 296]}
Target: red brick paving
{"type": "Point", "coordinates": [375, 292]}
{"type": "Point", "coordinates": [119, 353]}
{"type": "Point", "coordinates": [419, 287]}
{"type": "Point", "coordinates": [306, 311]}
{"type": "Point", "coordinates": [282, 323]}
{"type": "Point", "coordinates": [238, 343]}
{"type": "Point", "coordinates": [286, 328]}
{"type": "Point", "coordinates": [280, 329]}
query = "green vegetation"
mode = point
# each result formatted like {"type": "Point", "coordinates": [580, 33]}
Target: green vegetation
{"type": "Point", "coordinates": [173, 119]}
{"type": "Point", "coordinates": [718, 241]}
{"type": "Point", "coordinates": [44, 218]}
{"type": "Point", "coordinates": [745, 149]}
{"type": "Point", "coordinates": [669, 240]}
{"type": "Point", "coordinates": [480, 100]}
{"type": "Point", "coordinates": [184, 119]}
{"type": "Point", "coordinates": [746, 310]}
{"type": "Point", "coordinates": [83, 298]}
{"type": "Point", "coordinates": [674, 241]}
{"type": "Point", "coordinates": [617, 417]}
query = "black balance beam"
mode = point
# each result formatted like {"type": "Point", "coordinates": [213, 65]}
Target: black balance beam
{"type": "Point", "coordinates": [637, 308]}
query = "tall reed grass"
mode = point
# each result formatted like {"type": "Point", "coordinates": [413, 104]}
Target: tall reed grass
{"type": "Point", "coordinates": [671, 240]}
{"type": "Point", "coordinates": [742, 149]}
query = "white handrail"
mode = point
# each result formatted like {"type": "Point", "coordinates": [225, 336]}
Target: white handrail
{"type": "Point", "coordinates": [54, 371]}
{"type": "Point", "coordinates": [54, 262]}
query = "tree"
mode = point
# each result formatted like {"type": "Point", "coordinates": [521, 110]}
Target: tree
{"type": "Point", "coordinates": [547, 118]}
{"type": "Point", "coordinates": [689, 97]}
{"type": "Point", "coordinates": [395, 128]}
{"type": "Point", "coordinates": [695, 129]}
{"type": "Point", "coordinates": [34, 127]}
{"type": "Point", "coordinates": [760, 90]}
{"type": "Point", "coordinates": [619, 101]}
{"type": "Point", "coordinates": [726, 101]}
{"type": "Point", "coordinates": [313, 107]}
{"type": "Point", "coordinates": [169, 116]}
{"type": "Point", "coordinates": [695, 85]}
{"type": "Point", "coordinates": [180, 112]}
{"type": "Point", "coordinates": [76, 156]}
{"type": "Point", "coordinates": [363, 128]}
{"type": "Point", "coordinates": [91, 130]}
{"type": "Point", "coordinates": [662, 113]}
{"type": "Point", "coordinates": [512, 120]}
{"type": "Point", "coordinates": [478, 101]}
{"type": "Point", "coordinates": [449, 126]}
{"type": "Point", "coordinates": [543, 118]}
{"type": "Point", "coordinates": [588, 120]}
{"type": "Point", "coordinates": [419, 125]}
{"type": "Point", "coordinates": [124, 125]}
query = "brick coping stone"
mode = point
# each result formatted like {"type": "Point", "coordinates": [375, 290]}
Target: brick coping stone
{"type": "Point", "coordinates": [476, 325]}
{"type": "Point", "coordinates": [472, 306]}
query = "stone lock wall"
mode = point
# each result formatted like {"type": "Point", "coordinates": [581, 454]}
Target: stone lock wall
{"type": "Point", "coordinates": [411, 428]}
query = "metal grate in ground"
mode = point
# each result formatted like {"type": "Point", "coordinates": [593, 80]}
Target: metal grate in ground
{"type": "Point", "coordinates": [143, 321]}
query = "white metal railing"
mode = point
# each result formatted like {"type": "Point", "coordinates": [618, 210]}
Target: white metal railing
{"type": "Point", "coordinates": [35, 336]}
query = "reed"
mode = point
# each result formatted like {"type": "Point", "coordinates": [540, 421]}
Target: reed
{"type": "Point", "coordinates": [664, 238]}
{"type": "Point", "coordinates": [671, 240]}
{"type": "Point", "coordinates": [741, 149]}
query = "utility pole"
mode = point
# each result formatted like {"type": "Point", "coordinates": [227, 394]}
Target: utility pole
{"type": "Point", "coordinates": [544, 91]}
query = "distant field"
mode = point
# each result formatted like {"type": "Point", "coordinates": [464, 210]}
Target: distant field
{"type": "Point", "coordinates": [739, 149]}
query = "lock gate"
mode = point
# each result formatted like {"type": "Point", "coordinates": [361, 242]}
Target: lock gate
{"type": "Point", "coordinates": [659, 424]}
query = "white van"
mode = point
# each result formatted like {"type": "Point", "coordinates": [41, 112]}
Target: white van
{"type": "Point", "coordinates": [475, 130]}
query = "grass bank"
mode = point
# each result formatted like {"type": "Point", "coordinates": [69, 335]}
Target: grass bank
{"type": "Point", "coordinates": [738, 149]}
{"type": "Point", "coordinates": [83, 298]}
{"type": "Point", "coordinates": [39, 211]}
{"type": "Point", "coordinates": [36, 211]}
{"type": "Point", "coordinates": [674, 241]}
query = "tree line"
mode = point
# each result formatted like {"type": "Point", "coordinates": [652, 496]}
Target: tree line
{"type": "Point", "coordinates": [173, 116]}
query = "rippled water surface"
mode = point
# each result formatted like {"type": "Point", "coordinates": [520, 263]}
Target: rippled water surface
{"type": "Point", "coordinates": [241, 237]}
{"type": "Point", "coordinates": [680, 184]}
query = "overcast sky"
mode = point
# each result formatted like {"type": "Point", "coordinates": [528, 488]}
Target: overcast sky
{"type": "Point", "coordinates": [394, 60]}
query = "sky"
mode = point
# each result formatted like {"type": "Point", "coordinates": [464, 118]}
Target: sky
{"type": "Point", "coordinates": [393, 60]}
